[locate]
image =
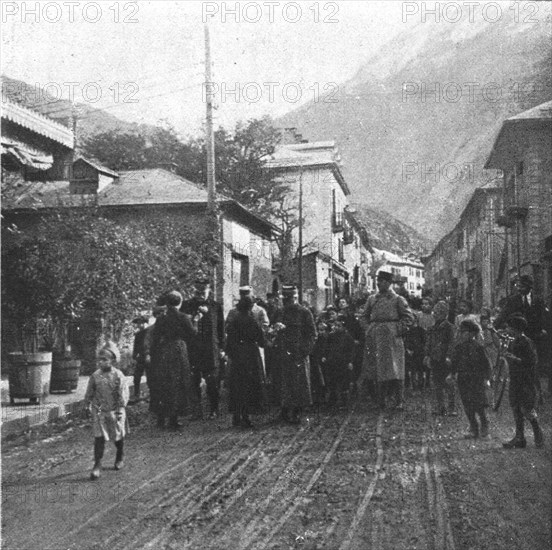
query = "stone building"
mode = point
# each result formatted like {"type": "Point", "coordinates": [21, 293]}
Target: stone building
{"type": "Point", "coordinates": [522, 151]}
{"type": "Point", "coordinates": [332, 239]}
{"type": "Point", "coordinates": [466, 262]}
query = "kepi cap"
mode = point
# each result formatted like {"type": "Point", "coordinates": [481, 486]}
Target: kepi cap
{"type": "Point", "coordinates": [289, 290]}
{"type": "Point", "coordinates": [385, 276]}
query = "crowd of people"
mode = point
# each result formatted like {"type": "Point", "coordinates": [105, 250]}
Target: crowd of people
{"type": "Point", "coordinates": [283, 354]}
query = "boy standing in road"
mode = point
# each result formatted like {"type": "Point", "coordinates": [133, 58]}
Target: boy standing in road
{"type": "Point", "coordinates": [522, 359]}
{"type": "Point", "coordinates": [106, 398]}
{"type": "Point", "coordinates": [472, 370]}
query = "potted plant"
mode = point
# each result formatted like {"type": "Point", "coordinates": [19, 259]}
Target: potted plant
{"type": "Point", "coordinates": [24, 303]}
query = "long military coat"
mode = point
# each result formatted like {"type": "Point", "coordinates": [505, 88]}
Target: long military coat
{"type": "Point", "coordinates": [388, 317]}
{"type": "Point", "coordinates": [293, 345]}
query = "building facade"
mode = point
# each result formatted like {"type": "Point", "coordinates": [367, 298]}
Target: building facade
{"type": "Point", "coordinates": [522, 152]}
{"type": "Point", "coordinates": [466, 262]}
{"type": "Point", "coordinates": [330, 233]}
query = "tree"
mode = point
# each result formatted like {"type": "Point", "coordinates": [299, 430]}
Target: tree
{"type": "Point", "coordinates": [78, 259]}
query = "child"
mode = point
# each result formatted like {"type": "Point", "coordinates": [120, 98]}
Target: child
{"type": "Point", "coordinates": [490, 339]}
{"type": "Point", "coordinates": [472, 370]}
{"type": "Point", "coordinates": [414, 342]}
{"type": "Point", "coordinates": [522, 359]}
{"type": "Point", "coordinates": [338, 361]}
{"type": "Point", "coordinates": [106, 398]}
{"type": "Point", "coordinates": [439, 342]}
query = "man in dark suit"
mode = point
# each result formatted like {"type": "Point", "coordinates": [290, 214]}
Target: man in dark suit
{"type": "Point", "coordinates": [139, 353]}
{"type": "Point", "coordinates": [207, 352]}
{"type": "Point", "coordinates": [527, 304]}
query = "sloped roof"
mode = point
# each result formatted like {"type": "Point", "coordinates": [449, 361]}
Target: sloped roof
{"type": "Point", "coordinates": [133, 188]}
{"type": "Point", "coordinates": [98, 166]}
{"type": "Point", "coordinates": [505, 142]}
{"type": "Point", "coordinates": [542, 111]}
{"type": "Point", "coordinates": [37, 123]}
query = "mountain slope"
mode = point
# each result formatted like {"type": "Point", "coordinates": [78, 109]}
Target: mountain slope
{"type": "Point", "coordinates": [417, 155]}
{"type": "Point", "coordinates": [388, 233]}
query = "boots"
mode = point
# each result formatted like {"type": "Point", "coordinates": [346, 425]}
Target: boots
{"type": "Point", "coordinates": [99, 446]}
{"type": "Point", "coordinates": [518, 442]}
{"type": "Point", "coordinates": [473, 432]}
{"type": "Point", "coordinates": [484, 434]}
{"type": "Point", "coordinates": [539, 436]}
{"type": "Point", "coordinates": [173, 423]}
{"type": "Point", "coordinates": [119, 456]}
{"type": "Point", "coordinates": [95, 473]}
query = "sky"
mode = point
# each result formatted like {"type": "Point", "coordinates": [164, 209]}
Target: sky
{"type": "Point", "coordinates": [144, 61]}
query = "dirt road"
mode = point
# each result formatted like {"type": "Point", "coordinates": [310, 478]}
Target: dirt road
{"type": "Point", "coordinates": [352, 479]}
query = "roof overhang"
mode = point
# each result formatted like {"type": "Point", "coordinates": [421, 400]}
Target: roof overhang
{"type": "Point", "coordinates": [37, 123]}
{"type": "Point", "coordinates": [507, 143]}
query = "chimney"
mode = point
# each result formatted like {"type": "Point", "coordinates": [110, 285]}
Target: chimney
{"type": "Point", "coordinates": [290, 136]}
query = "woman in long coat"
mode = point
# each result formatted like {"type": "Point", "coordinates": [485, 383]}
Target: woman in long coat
{"type": "Point", "coordinates": [173, 333]}
{"type": "Point", "coordinates": [244, 336]}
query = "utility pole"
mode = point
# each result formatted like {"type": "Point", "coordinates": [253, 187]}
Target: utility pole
{"type": "Point", "coordinates": [212, 217]}
{"type": "Point", "coordinates": [301, 236]}
{"type": "Point", "coordinates": [75, 140]}
{"type": "Point", "coordinates": [210, 137]}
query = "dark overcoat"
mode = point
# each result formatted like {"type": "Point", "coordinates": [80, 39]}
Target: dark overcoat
{"type": "Point", "coordinates": [172, 335]}
{"type": "Point", "coordinates": [293, 345]}
{"type": "Point", "coordinates": [205, 351]}
{"type": "Point", "coordinates": [244, 336]}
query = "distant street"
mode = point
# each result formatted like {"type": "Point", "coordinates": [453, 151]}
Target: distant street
{"type": "Point", "coordinates": [353, 479]}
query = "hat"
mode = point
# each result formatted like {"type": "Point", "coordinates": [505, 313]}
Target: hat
{"type": "Point", "coordinates": [247, 289]}
{"type": "Point", "coordinates": [469, 325]}
{"type": "Point", "coordinates": [112, 348]}
{"type": "Point", "coordinates": [526, 280]}
{"type": "Point", "coordinates": [289, 290]}
{"type": "Point", "coordinates": [385, 276]}
{"type": "Point", "coordinates": [140, 320]}
{"type": "Point", "coordinates": [174, 298]}
{"type": "Point", "coordinates": [517, 321]}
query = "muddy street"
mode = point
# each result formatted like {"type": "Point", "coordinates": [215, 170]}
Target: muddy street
{"type": "Point", "coordinates": [349, 479]}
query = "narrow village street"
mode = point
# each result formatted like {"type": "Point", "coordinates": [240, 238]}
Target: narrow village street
{"type": "Point", "coordinates": [353, 479]}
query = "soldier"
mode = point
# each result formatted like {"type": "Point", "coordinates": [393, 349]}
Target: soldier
{"type": "Point", "coordinates": [295, 339]}
{"type": "Point", "coordinates": [207, 350]}
{"type": "Point", "coordinates": [388, 317]}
